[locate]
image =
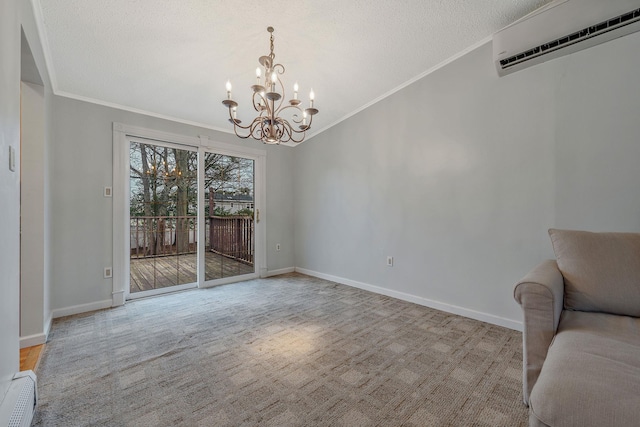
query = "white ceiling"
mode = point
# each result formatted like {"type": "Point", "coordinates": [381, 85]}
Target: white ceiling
{"type": "Point", "coordinates": [172, 58]}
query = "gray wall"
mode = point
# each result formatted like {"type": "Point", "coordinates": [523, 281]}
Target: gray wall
{"type": "Point", "coordinates": [36, 245]}
{"type": "Point", "coordinates": [33, 214]}
{"type": "Point", "coordinates": [82, 218]}
{"type": "Point", "coordinates": [459, 176]}
{"type": "Point", "coordinates": [9, 191]}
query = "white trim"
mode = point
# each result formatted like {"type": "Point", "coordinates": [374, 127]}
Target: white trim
{"type": "Point", "coordinates": [81, 308]}
{"type": "Point", "coordinates": [280, 271]}
{"type": "Point", "coordinates": [120, 200]}
{"type": "Point", "coordinates": [260, 195]}
{"type": "Point", "coordinates": [160, 291]}
{"type": "Point", "coordinates": [37, 339]}
{"type": "Point", "coordinates": [449, 308]}
{"type": "Point", "coordinates": [200, 250]}
{"type": "Point", "coordinates": [230, 149]}
{"type": "Point", "coordinates": [31, 340]}
{"type": "Point", "coordinates": [139, 111]}
{"type": "Point", "coordinates": [156, 135]}
{"type": "Point", "coordinates": [47, 326]}
{"type": "Point", "coordinates": [228, 280]}
{"type": "Point", "coordinates": [118, 298]}
{"type": "Point", "coordinates": [160, 143]}
{"type": "Point", "coordinates": [148, 113]}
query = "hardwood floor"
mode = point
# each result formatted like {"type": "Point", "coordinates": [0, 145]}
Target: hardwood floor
{"type": "Point", "coordinates": [29, 357]}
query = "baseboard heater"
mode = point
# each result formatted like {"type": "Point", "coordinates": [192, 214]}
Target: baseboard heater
{"type": "Point", "coordinates": [19, 404]}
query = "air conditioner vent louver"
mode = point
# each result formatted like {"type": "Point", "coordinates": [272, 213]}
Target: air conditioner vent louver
{"type": "Point", "coordinates": [19, 403]}
{"type": "Point", "coordinates": [562, 27]}
{"type": "Point", "coordinates": [573, 38]}
{"type": "Point", "coordinates": [24, 405]}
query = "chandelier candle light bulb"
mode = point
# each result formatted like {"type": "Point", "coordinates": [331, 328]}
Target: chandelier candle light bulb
{"type": "Point", "coordinates": [270, 126]}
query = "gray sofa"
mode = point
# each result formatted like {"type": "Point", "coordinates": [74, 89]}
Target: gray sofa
{"type": "Point", "coordinates": [581, 336]}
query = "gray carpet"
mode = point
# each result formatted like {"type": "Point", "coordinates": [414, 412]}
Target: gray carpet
{"type": "Point", "coordinates": [290, 350]}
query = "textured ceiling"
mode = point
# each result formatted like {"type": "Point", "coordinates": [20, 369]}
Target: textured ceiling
{"type": "Point", "coordinates": [172, 58]}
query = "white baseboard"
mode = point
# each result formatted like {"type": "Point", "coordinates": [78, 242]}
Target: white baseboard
{"type": "Point", "coordinates": [280, 271]}
{"type": "Point", "coordinates": [449, 308]}
{"type": "Point", "coordinates": [117, 298]}
{"type": "Point", "coordinates": [47, 326]}
{"type": "Point", "coordinates": [31, 340]}
{"type": "Point", "coordinates": [37, 339]}
{"type": "Point", "coordinates": [82, 308]}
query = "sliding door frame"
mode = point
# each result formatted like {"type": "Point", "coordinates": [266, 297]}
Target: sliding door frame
{"type": "Point", "coordinates": [122, 135]}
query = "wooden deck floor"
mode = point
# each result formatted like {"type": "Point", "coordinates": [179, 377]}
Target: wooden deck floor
{"type": "Point", "coordinates": [162, 272]}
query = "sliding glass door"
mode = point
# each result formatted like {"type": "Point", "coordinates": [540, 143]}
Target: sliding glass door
{"type": "Point", "coordinates": [230, 213]}
{"type": "Point", "coordinates": [163, 208]}
{"type": "Point", "coordinates": [186, 213]}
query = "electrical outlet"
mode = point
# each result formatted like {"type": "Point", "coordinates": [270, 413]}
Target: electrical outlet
{"type": "Point", "coordinates": [108, 273]}
{"type": "Point", "coordinates": [107, 191]}
{"type": "Point", "coordinates": [389, 261]}
{"type": "Point", "coordinates": [277, 246]}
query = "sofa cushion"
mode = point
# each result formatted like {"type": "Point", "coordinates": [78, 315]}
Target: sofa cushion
{"type": "Point", "coordinates": [601, 270]}
{"type": "Point", "coordinates": [591, 376]}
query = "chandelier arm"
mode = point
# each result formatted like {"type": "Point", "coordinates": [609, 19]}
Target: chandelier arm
{"type": "Point", "coordinates": [292, 136]}
{"type": "Point", "coordinates": [286, 130]}
{"type": "Point", "coordinates": [253, 100]}
{"type": "Point", "coordinates": [235, 122]}
{"type": "Point", "coordinates": [235, 130]}
{"type": "Point", "coordinates": [292, 132]}
{"type": "Point", "coordinates": [295, 117]}
{"type": "Point", "coordinates": [256, 129]}
{"type": "Point", "coordinates": [268, 110]}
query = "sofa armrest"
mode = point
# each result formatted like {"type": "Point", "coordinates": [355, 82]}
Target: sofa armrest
{"type": "Point", "coordinates": [540, 294]}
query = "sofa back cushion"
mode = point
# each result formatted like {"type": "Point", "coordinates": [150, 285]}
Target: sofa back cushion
{"type": "Point", "coordinates": [601, 270]}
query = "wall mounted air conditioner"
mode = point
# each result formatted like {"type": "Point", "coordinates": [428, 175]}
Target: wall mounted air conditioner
{"type": "Point", "coordinates": [560, 28]}
{"type": "Point", "coordinates": [19, 403]}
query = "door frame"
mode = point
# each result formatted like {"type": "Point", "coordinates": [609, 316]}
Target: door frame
{"type": "Point", "coordinates": [122, 134]}
{"type": "Point", "coordinates": [258, 196]}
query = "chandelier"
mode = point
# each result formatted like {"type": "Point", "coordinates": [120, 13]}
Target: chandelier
{"type": "Point", "coordinates": [268, 101]}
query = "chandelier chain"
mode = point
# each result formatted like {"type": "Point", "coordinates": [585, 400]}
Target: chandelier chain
{"type": "Point", "coordinates": [271, 54]}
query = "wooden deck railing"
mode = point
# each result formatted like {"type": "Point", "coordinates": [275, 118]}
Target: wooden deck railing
{"type": "Point", "coordinates": [163, 235]}
{"type": "Point", "coordinates": [230, 236]}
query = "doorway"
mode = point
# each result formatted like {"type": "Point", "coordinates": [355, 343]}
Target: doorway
{"type": "Point", "coordinates": [186, 213]}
